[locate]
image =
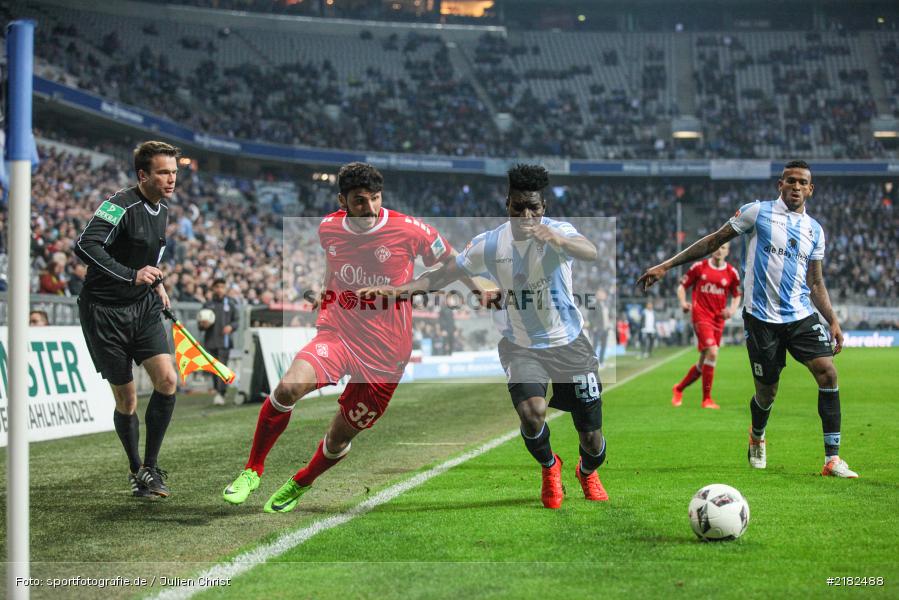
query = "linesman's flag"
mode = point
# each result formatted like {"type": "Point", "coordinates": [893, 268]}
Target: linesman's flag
{"type": "Point", "coordinates": [191, 356]}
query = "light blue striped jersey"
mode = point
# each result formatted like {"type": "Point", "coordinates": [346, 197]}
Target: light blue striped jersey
{"type": "Point", "coordinates": [777, 247]}
{"type": "Point", "coordinates": [539, 309]}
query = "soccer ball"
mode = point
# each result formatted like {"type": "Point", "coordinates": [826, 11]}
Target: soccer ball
{"type": "Point", "coordinates": [206, 315]}
{"type": "Point", "coordinates": [718, 512]}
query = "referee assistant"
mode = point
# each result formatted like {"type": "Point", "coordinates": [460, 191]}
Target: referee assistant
{"type": "Point", "coordinates": [120, 313]}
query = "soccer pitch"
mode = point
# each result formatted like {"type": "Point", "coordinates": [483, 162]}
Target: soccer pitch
{"type": "Point", "coordinates": [478, 529]}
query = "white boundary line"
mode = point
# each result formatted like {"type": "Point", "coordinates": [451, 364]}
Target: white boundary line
{"type": "Point", "coordinates": [430, 443]}
{"type": "Point", "coordinates": [246, 561]}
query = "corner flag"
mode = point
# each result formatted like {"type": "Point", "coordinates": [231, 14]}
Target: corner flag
{"type": "Point", "coordinates": [191, 356]}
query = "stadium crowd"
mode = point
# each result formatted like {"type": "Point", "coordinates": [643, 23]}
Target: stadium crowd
{"type": "Point", "coordinates": [738, 83]}
{"type": "Point", "coordinates": [218, 228]}
{"type": "Point", "coordinates": [429, 110]}
{"type": "Point", "coordinates": [419, 99]}
{"type": "Point", "coordinates": [207, 237]}
{"type": "Point", "coordinates": [586, 116]}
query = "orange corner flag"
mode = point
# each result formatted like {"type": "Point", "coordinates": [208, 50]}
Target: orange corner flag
{"type": "Point", "coordinates": [191, 356]}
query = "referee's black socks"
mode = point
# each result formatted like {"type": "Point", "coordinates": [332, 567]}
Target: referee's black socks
{"type": "Point", "coordinates": [128, 428]}
{"type": "Point", "coordinates": [159, 413]}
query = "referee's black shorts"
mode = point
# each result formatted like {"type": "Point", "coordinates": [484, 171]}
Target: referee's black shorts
{"type": "Point", "coordinates": [118, 335]}
{"type": "Point", "coordinates": [572, 370]}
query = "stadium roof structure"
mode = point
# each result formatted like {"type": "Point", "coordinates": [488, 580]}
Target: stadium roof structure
{"type": "Point", "coordinates": [768, 4]}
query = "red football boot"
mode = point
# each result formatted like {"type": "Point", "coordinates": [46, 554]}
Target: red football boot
{"type": "Point", "coordinates": [552, 492]}
{"type": "Point", "coordinates": [709, 403]}
{"type": "Point", "coordinates": [677, 396]}
{"type": "Point", "coordinates": [591, 485]}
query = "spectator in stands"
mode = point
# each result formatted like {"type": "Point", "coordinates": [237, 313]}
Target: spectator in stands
{"type": "Point", "coordinates": [447, 321]}
{"type": "Point", "coordinates": [219, 335]}
{"type": "Point", "coordinates": [76, 281]}
{"type": "Point", "coordinates": [52, 279]}
{"type": "Point", "coordinates": [38, 318]}
{"type": "Point", "coordinates": [600, 324]}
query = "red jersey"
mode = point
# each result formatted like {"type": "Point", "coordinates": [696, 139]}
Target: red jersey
{"type": "Point", "coordinates": [711, 288]}
{"type": "Point", "coordinates": [378, 332]}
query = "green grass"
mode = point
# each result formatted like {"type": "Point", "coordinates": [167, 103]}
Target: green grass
{"type": "Point", "coordinates": [479, 529]}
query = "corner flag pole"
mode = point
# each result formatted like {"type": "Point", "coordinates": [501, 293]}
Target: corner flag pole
{"type": "Point", "coordinates": [20, 57]}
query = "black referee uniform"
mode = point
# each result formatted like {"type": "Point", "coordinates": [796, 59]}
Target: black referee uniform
{"type": "Point", "coordinates": [122, 322]}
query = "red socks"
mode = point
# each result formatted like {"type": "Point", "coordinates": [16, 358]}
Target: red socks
{"type": "Point", "coordinates": [708, 374]}
{"type": "Point", "coordinates": [273, 420]}
{"type": "Point", "coordinates": [691, 376]}
{"type": "Point", "coordinates": [321, 461]}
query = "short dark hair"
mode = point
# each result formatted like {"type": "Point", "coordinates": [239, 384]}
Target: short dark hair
{"type": "Point", "coordinates": [218, 280]}
{"type": "Point", "coordinates": [797, 164]}
{"type": "Point", "coordinates": [528, 178]}
{"type": "Point", "coordinates": [356, 175]}
{"type": "Point", "coordinates": [42, 313]}
{"type": "Point", "coordinates": [144, 153]}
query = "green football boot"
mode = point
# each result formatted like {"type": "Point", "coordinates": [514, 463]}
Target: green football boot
{"type": "Point", "coordinates": [286, 498]}
{"type": "Point", "coordinates": [245, 484]}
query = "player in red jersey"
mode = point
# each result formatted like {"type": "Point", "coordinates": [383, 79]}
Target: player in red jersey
{"type": "Point", "coordinates": [712, 280]}
{"type": "Point", "coordinates": [365, 245]}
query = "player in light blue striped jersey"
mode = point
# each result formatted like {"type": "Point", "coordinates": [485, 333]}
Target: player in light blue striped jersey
{"type": "Point", "coordinates": [541, 311]}
{"type": "Point", "coordinates": [783, 281]}
{"type": "Point", "coordinates": [529, 258]}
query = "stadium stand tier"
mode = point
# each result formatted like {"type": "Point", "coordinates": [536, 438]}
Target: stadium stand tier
{"type": "Point", "coordinates": [508, 93]}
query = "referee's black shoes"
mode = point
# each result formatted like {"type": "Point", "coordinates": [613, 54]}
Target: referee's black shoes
{"type": "Point", "coordinates": [138, 487]}
{"type": "Point", "coordinates": [154, 479]}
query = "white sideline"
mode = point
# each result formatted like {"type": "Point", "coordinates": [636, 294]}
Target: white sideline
{"type": "Point", "coordinates": [246, 561]}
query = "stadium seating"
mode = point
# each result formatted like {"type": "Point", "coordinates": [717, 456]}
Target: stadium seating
{"type": "Point", "coordinates": [580, 94]}
{"type": "Point", "coordinates": [802, 94]}
{"type": "Point", "coordinates": [888, 54]}
{"type": "Point", "coordinates": [599, 95]}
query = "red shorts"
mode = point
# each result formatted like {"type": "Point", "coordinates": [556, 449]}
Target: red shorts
{"type": "Point", "coordinates": [708, 334]}
{"type": "Point", "coordinates": [363, 401]}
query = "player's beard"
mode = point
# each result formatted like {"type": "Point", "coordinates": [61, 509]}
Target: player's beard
{"type": "Point", "coordinates": [793, 203]}
{"type": "Point", "coordinates": [363, 222]}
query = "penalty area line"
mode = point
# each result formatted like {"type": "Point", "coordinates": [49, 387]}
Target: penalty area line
{"type": "Point", "coordinates": [246, 561]}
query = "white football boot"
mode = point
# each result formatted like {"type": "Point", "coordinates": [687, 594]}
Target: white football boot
{"type": "Point", "coordinates": [757, 453]}
{"type": "Point", "coordinates": [837, 467]}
